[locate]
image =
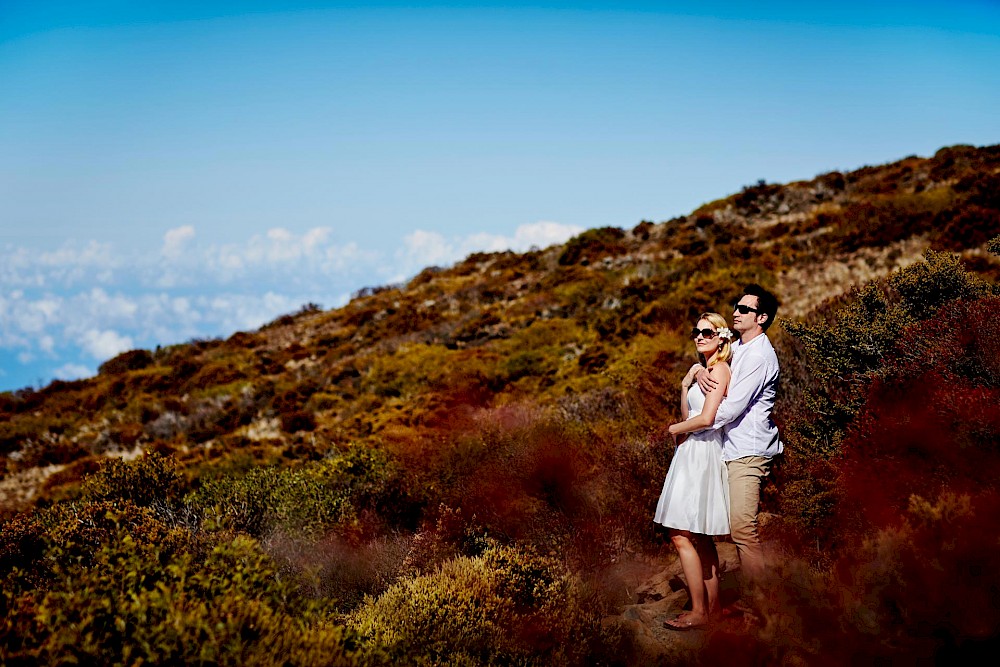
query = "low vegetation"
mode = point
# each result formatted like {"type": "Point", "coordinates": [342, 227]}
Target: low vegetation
{"type": "Point", "coordinates": [442, 472]}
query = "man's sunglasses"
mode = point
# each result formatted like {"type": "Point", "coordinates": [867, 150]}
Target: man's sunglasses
{"type": "Point", "coordinates": [744, 309]}
{"type": "Point", "coordinates": [704, 333]}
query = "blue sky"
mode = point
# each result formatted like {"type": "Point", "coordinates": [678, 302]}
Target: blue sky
{"type": "Point", "coordinates": [171, 170]}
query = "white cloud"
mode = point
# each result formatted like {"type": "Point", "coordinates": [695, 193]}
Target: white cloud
{"type": "Point", "coordinates": [72, 371]}
{"type": "Point", "coordinates": [23, 320]}
{"type": "Point", "coordinates": [280, 259]}
{"type": "Point", "coordinates": [64, 267]}
{"type": "Point", "coordinates": [178, 260]}
{"type": "Point", "coordinates": [181, 307]}
{"type": "Point", "coordinates": [90, 301]}
{"type": "Point", "coordinates": [423, 248]}
{"type": "Point", "coordinates": [104, 344]}
{"type": "Point", "coordinates": [48, 307]}
{"type": "Point", "coordinates": [539, 234]}
{"type": "Point", "coordinates": [342, 258]}
{"type": "Point", "coordinates": [429, 248]}
{"type": "Point", "coordinates": [240, 312]}
{"type": "Point", "coordinates": [315, 238]}
{"type": "Point", "coordinates": [176, 240]}
{"type": "Point", "coordinates": [118, 307]}
{"type": "Point", "coordinates": [542, 234]}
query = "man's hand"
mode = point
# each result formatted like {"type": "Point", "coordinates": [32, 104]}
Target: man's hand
{"type": "Point", "coordinates": [705, 381]}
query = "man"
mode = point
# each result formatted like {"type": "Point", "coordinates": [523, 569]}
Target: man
{"type": "Point", "coordinates": [750, 437]}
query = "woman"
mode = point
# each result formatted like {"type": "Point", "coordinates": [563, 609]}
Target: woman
{"type": "Point", "coordinates": [694, 503]}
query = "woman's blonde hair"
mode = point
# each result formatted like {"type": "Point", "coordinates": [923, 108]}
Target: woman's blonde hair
{"type": "Point", "coordinates": [725, 352]}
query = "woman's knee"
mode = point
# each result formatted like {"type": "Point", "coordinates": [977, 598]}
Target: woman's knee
{"type": "Point", "coordinates": [681, 541]}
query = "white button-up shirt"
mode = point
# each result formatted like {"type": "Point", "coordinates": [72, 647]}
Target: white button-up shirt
{"type": "Point", "coordinates": [745, 414]}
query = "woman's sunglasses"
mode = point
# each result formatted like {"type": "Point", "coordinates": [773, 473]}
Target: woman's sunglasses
{"type": "Point", "coordinates": [704, 333]}
{"type": "Point", "coordinates": [744, 309]}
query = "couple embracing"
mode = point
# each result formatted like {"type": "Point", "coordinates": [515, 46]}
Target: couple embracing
{"type": "Point", "coordinates": [727, 442]}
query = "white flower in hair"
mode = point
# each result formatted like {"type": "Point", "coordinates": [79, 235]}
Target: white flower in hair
{"type": "Point", "coordinates": [725, 333]}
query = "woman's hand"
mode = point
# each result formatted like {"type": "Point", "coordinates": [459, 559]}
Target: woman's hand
{"type": "Point", "coordinates": [690, 377]}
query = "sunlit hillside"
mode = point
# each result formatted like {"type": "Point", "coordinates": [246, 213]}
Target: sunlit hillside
{"type": "Point", "coordinates": [463, 469]}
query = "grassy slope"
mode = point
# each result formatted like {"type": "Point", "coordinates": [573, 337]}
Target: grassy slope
{"type": "Point", "coordinates": [518, 396]}
{"type": "Point", "coordinates": [547, 327]}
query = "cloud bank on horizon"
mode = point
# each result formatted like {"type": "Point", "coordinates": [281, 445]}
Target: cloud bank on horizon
{"type": "Point", "coordinates": [65, 311]}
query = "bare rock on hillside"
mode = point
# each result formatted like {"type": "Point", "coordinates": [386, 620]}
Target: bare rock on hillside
{"type": "Point", "coordinates": [660, 597]}
{"type": "Point", "coordinates": [804, 287]}
{"type": "Point", "coordinates": [18, 490]}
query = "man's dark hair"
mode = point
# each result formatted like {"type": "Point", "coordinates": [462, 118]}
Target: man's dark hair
{"type": "Point", "coordinates": [767, 303]}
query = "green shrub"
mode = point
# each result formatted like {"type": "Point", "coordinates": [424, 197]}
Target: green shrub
{"type": "Point", "coordinates": [133, 360]}
{"type": "Point", "coordinates": [522, 364]}
{"type": "Point", "coordinates": [926, 286]}
{"type": "Point", "coordinates": [137, 604]}
{"type": "Point", "coordinates": [315, 497]}
{"type": "Point", "coordinates": [34, 545]}
{"type": "Point", "coordinates": [409, 370]}
{"type": "Point", "coordinates": [965, 226]}
{"type": "Point", "coordinates": [147, 480]}
{"type": "Point", "coordinates": [923, 587]}
{"type": "Point", "coordinates": [23, 429]}
{"type": "Point", "coordinates": [213, 374]}
{"type": "Point", "coordinates": [592, 245]}
{"type": "Point", "coordinates": [66, 484]}
{"type": "Point", "coordinates": [266, 497]}
{"type": "Point", "coordinates": [753, 198]}
{"type": "Point", "coordinates": [855, 341]}
{"type": "Point", "coordinates": [502, 607]}
{"type": "Point", "coordinates": [994, 245]}
{"type": "Point", "coordinates": [300, 420]}
{"type": "Point", "coordinates": [477, 325]}
{"type": "Point", "coordinates": [708, 290]}
{"type": "Point", "coordinates": [878, 223]}
{"type": "Point", "coordinates": [877, 355]}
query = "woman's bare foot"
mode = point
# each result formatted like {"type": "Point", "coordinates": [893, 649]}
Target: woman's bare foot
{"type": "Point", "coordinates": [687, 621]}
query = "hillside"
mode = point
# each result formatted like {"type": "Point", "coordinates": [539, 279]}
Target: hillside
{"type": "Point", "coordinates": [506, 413]}
{"type": "Point", "coordinates": [501, 327]}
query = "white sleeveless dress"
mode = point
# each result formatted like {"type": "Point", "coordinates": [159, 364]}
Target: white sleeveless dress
{"type": "Point", "coordinates": [695, 494]}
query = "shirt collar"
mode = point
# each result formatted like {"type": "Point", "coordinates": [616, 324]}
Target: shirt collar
{"type": "Point", "coordinates": [741, 344]}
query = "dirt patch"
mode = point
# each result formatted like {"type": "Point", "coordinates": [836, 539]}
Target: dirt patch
{"type": "Point", "coordinates": [655, 591]}
{"type": "Point", "coordinates": [802, 289]}
{"type": "Point", "coordinates": [18, 490]}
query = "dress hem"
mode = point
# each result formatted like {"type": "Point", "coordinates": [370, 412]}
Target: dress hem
{"type": "Point", "coordinates": [691, 530]}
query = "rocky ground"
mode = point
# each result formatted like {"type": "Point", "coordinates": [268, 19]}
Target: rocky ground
{"type": "Point", "coordinates": [657, 592]}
